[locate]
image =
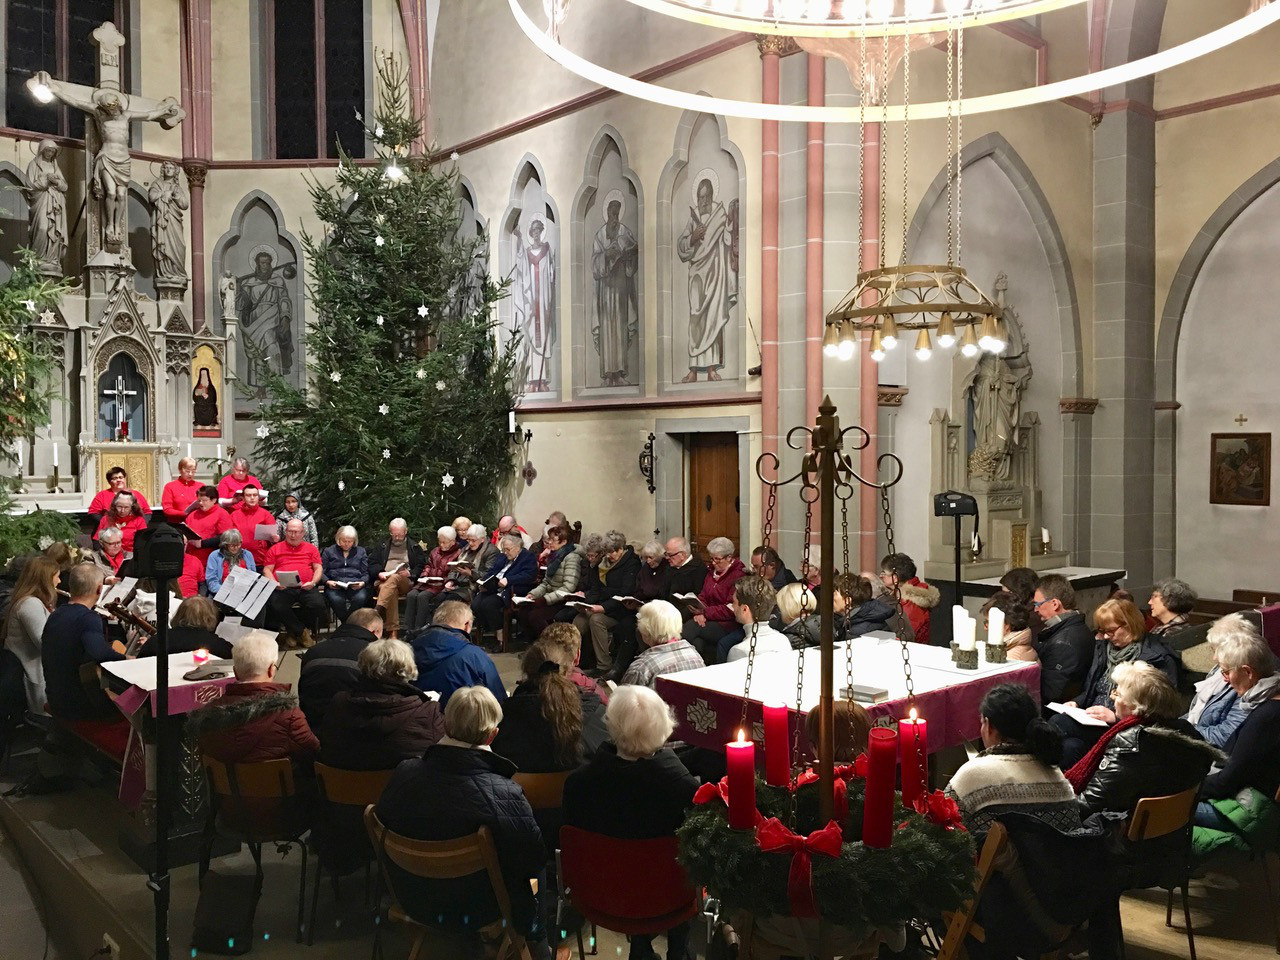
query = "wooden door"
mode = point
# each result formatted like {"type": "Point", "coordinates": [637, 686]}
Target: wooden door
{"type": "Point", "coordinates": [713, 489]}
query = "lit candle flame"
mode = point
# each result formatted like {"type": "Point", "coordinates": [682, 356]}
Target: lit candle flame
{"type": "Point", "coordinates": [913, 715]}
{"type": "Point", "coordinates": [742, 737]}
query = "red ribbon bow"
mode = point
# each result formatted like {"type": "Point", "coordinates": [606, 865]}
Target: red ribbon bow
{"type": "Point", "coordinates": [712, 791]}
{"type": "Point", "coordinates": [773, 836]}
{"type": "Point", "coordinates": [938, 808]}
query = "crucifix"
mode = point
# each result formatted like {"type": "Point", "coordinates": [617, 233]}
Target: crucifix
{"type": "Point", "coordinates": [107, 161]}
{"type": "Point", "coordinates": [1241, 419]}
{"type": "Point", "coordinates": [119, 394]}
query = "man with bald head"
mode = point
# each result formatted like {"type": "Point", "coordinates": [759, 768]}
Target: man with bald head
{"type": "Point", "coordinates": [508, 525]}
{"type": "Point", "coordinates": [294, 555]}
{"type": "Point", "coordinates": [396, 564]}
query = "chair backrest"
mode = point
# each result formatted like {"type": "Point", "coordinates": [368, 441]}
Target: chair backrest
{"type": "Point", "coordinates": [266, 779]}
{"type": "Point", "coordinates": [258, 801]}
{"type": "Point", "coordinates": [653, 884]}
{"type": "Point", "coordinates": [1160, 816]}
{"type": "Point", "coordinates": [962, 921]}
{"type": "Point", "coordinates": [544, 791]}
{"type": "Point", "coordinates": [353, 788]}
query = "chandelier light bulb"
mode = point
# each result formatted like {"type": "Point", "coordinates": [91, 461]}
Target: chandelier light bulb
{"type": "Point", "coordinates": [946, 332]}
{"type": "Point", "coordinates": [923, 349]}
{"type": "Point", "coordinates": [848, 340]}
{"type": "Point", "coordinates": [988, 339]}
{"type": "Point", "coordinates": [831, 341]}
{"type": "Point", "coordinates": [969, 345]}
{"type": "Point", "coordinates": [998, 339]}
{"type": "Point", "coordinates": [40, 91]}
{"type": "Point", "coordinates": [877, 346]}
{"type": "Point", "coordinates": [889, 332]}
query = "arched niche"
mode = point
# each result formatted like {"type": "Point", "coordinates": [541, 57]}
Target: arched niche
{"type": "Point", "coordinates": [701, 289]}
{"type": "Point", "coordinates": [530, 240]}
{"type": "Point", "coordinates": [13, 217]}
{"type": "Point", "coordinates": [270, 303]}
{"type": "Point", "coordinates": [472, 227]}
{"type": "Point", "coordinates": [123, 397]}
{"type": "Point", "coordinates": [608, 262]}
{"type": "Point", "coordinates": [140, 249]}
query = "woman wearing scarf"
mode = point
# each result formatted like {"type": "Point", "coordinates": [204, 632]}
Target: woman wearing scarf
{"type": "Point", "coordinates": [1119, 628]}
{"type": "Point", "coordinates": [565, 566]}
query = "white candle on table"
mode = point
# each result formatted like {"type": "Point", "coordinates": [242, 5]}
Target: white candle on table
{"type": "Point", "coordinates": [958, 616]}
{"type": "Point", "coordinates": [968, 635]}
{"type": "Point", "coordinates": [995, 626]}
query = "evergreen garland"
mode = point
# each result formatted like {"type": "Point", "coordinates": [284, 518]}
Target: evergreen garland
{"type": "Point", "coordinates": [406, 410]}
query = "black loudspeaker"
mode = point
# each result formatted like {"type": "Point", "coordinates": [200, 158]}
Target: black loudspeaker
{"type": "Point", "coordinates": [158, 552]}
{"type": "Point", "coordinates": [954, 504]}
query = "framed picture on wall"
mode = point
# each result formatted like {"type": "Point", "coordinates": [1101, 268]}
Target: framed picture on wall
{"type": "Point", "coordinates": [1240, 469]}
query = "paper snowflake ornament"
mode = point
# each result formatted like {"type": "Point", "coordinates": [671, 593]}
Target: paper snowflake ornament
{"type": "Point", "coordinates": [30, 305]}
{"type": "Point", "coordinates": [447, 480]}
{"type": "Point", "coordinates": [359, 115]}
{"type": "Point", "coordinates": [378, 241]}
{"type": "Point", "coordinates": [341, 486]}
{"type": "Point", "coordinates": [262, 431]}
{"type": "Point", "coordinates": [377, 131]}
{"type": "Point", "coordinates": [336, 376]}
{"type": "Point", "coordinates": [423, 311]}
{"type": "Point", "coordinates": [386, 453]}
{"type": "Point", "coordinates": [441, 386]}
{"type": "Point", "coordinates": [45, 542]}
{"type": "Point", "coordinates": [421, 374]}
{"type": "Point", "coordinates": [454, 156]}
{"type": "Point", "coordinates": [380, 320]}
{"type": "Point", "coordinates": [383, 409]}
{"type": "Point", "coordinates": [355, 196]}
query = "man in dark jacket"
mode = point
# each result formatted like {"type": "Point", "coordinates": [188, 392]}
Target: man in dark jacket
{"type": "Point", "coordinates": [688, 572]}
{"type": "Point", "coordinates": [458, 786]}
{"type": "Point", "coordinates": [765, 562]}
{"type": "Point", "coordinates": [447, 659]}
{"type": "Point", "coordinates": [1066, 643]}
{"type": "Point", "coordinates": [75, 636]}
{"type": "Point", "coordinates": [330, 666]}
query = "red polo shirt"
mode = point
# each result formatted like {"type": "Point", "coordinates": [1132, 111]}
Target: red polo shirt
{"type": "Point", "coordinates": [245, 519]}
{"type": "Point", "coordinates": [229, 486]}
{"type": "Point", "coordinates": [206, 523]}
{"type": "Point", "coordinates": [177, 496]}
{"type": "Point", "coordinates": [129, 526]}
{"type": "Point", "coordinates": [299, 559]}
{"type": "Point", "coordinates": [101, 503]}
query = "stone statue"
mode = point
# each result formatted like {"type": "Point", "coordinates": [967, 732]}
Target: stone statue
{"type": "Point", "coordinates": [169, 198]}
{"type": "Point", "coordinates": [993, 392]}
{"type": "Point", "coordinates": [615, 257]}
{"type": "Point", "coordinates": [709, 246]}
{"type": "Point", "coordinates": [227, 294]}
{"type": "Point", "coordinates": [535, 303]}
{"type": "Point", "coordinates": [46, 193]}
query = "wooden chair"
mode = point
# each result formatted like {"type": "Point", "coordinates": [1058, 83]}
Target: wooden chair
{"type": "Point", "coordinates": [544, 791]}
{"type": "Point", "coordinates": [961, 923]}
{"type": "Point", "coordinates": [356, 789]}
{"type": "Point", "coordinates": [441, 860]}
{"type": "Point", "coordinates": [1155, 817]}
{"type": "Point", "coordinates": [256, 803]}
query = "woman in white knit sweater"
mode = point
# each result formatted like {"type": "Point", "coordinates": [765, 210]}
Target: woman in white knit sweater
{"type": "Point", "coordinates": [1018, 771]}
{"type": "Point", "coordinates": [33, 599]}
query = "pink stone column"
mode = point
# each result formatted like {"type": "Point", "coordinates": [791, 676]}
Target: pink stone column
{"type": "Point", "coordinates": [815, 234]}
{"type": "Point", "coordinates": [770, 77]}
{"type": "Point", "coordinates": [869, 370]}
{"type": "Point", "coordinates": [197, 136]}
{"type": "Point", "coordinates": [413, 15]}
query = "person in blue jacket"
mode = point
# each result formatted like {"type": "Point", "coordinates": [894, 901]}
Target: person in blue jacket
{"type": "Point", "coordinates": [447, 659]}
{"type": "Point", "coordinates": [511, 574]}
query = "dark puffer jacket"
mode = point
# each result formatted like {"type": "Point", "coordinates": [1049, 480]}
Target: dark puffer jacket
{"type": "Point", "coordinates": [328, 668]}
{"type": "Point", "coordinates": [1065, 649]}
{"type": "Point", "coordinates": [451, 792]}
{"type": "Point", "coordinates": [253, 722]}
{"type": "Point", "coordinates": [1152, 651]}
{"type": "Point", "coordinates": [872, 615]}
{"type": "Point", "coordinates": [1148, 760]}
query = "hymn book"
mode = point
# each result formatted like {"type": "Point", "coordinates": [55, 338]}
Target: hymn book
{"type": "Point", "coordinates": [265, 531]}
{"type": "Point", "coordinates": [288, 578]}
{"type": "Point", "coordinates": [689, 601]}
{"type": "Point", "coordinates": [397, 568]}
{"type": "Point", "coordinates": [1078, 715]}
{"type": "Point", "coordinates": [630, 602]}
{"type": "Point", "coordinates": [579, 604]}
{"type": "Point", "coordinates": [431, 579]}
{"type": "Point", "coordinates": [121, 592]}
{"type": "Point", "coordinates": [522, 599]}
{"type": "Point", "coordinates": [865, 693]}
{"type": "Point", "coordinates": [344, 584]}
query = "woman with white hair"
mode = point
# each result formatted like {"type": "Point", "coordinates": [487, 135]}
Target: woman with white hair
{"type": "Point", "coordinates": [1221, 705]}
{"type": "Point", "coordinates": [716, 618]}
{"type": "Point", "coordinates": [345, 566]}
{"type": "Point", "coordinates": [1249, 669]}
{"type": "Point", "coordinates": [418, 605]}
{"type": "Point", "coordinates": [658, 626]}
{"type": "Point", "coordinates": [635, 787]}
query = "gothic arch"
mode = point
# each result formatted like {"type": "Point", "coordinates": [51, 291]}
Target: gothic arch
{"type": "Point", "coordinates": [693, 126]}
{"type": "Point", "coordinates": [588, 213]}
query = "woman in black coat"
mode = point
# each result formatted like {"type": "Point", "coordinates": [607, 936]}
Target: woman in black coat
{"type": "Point", "coordinates": [634, 788]}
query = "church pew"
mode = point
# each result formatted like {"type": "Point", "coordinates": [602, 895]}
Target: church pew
{"type": "Point", "coordinates": [1257, 598]}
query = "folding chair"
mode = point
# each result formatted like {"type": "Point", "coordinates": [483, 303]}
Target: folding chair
{"type": "Point", "coordinates": [1155, 817]}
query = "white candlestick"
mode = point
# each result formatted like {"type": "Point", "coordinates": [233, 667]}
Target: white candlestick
{"type": "Point", "coordinates": [219, 453]}
{"type": "Point", "coordinates": [55, 456]}
{"type": "Point", "coordinates": [188, 451]}
{"type": "Point", "coordinates": [995, 626]}
{"type": "Point", "coordinates": [1044, 534]}
{"type": "Point", "coordinates": [968, 635]}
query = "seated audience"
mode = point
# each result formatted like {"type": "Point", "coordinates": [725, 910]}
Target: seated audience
{"type": "Point", "coordinates": [329, 667]}
{"type": "Point", "coordinates": [460, 526]}
{"type": "Point", "coordinates": [688, 572]}
{"type": "Point", "coordinates": [192, 628]}
{"type": "Point", "coordinates": [616, 577]}
{"type": "Point", "coordinates": [1021, 582]}
{"type": "Point", "coordinates": [74, 637]}
{"type": "Point", "coordinates": [511, 573]}
{"type": "Point", "coordinates": [429, 583]}
{"type": "Point", "coordinates": [457, 786]}
{"type": "Point", "coordinates": [178, 497]}
{"type": "Point", "coordinates": [446, 657]}
{"type": "Point", "coordinates": [798, 614]}
{"type": "Point", "coordinates": [856, 610]}
{"type": "Point", "coordinates": [247, 516]}
{"type": "Point", "coordinates": [898, 572]}
{"type": "Point", "coordinates": [294, 510]}
{"type": "Point", "coordinates": [472, 562]}
{"type": "Point", "coordinates": [559, 581]}
{"type": "Point", "coordinates": [1255, 750]}
{"type": "Point", "coordinates": [1120, 640]}
{"type": "Point", "coordinates": [634, 788]}
{"type": "Point", "coordinates": [1065, 645]}
{"type": "Point", "coordinates": [1017, 625]}
{"type": "Point", "coordinates": [653, 582]}
{"type": "Point", "coordinates": [208, 521]}
{"type": "Point", "coordinates": [295, 555]}
{"type": "Point", "coordinates": [566, 637]}
{"type": "Point", "coordinates": [346, 574]}
{"type": "Point", "coordinates": [753, 600]}
{"type": "Point", "coordinates": [1018, 770]}
{"type": "Point", "coordinates": [508, 525]}
{"type": "Point", "coordinates": [231, 487]}
{"type": "Point", "coordinates": [765, 562]}
{"type": "Point", "coordinates": [34, 597]}
{"type": "Point", "coordinates": [395, 564]}
{"type": "Point", "coordinates": [124, 515]}
{"type": "Point", "coordinates": [255, 719]}
{"type": "Point", "coordinates": [715, 618]}
{"type": "Point", "coordinates": [852, 730]}
{"type": "Point", "coordinates": [1171, 604]}
{"type": "Point", "coordinates": [664, 650]}
{"type": "Point", "coordinates": [230, 553]}
{"type": "Point", "coordinates": [117, 482]}
{"type": "Point", "coordinates": [111, 557]}
{"type": "Point", "coordinates": [590, 587]}
{"type": "Point", "coordinates": [539, 547]}
{"type": "Point", "coordinates": [1217, 710]}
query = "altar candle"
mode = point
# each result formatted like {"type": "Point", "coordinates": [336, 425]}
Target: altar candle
{"type": "Point", "coordinates": [200, 656]}
{"type": "Point", "coordinates": [219, 453]}
{"type": "Point", "coordinates": [915, 756]}
{"type": "Point", "coordinates": [877, 809]}
{"type": "Point", "coordinates": [777, 758]}
{"type": "Point", "coordinates": [968, 634]}
{"type": "Point", "coordinates": [55, 456]}
{"type": "Point", "coordinates": [995, 627]}
{"type": "Point", "coordinates": [740, 757]}
{"type": "Point", "coordinates": [188, 451]}
{"type": "Point", "coordinates": [1044, 534]}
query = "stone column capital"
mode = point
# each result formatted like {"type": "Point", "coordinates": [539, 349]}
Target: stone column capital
{"type": "Point", "coordinates": [775, 45]}
{"type": "Point", "coordinates": [196, 170]}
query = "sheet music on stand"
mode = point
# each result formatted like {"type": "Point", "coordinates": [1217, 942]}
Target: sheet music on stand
{"type": "Point", "coordinates": [233, 631]}
{"type": "Point", "coordinates": [244, 592]}
{"type": "Point", "coordinates": [121, 591]}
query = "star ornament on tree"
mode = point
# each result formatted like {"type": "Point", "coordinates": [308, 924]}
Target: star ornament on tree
{"type": "Point", "coordinates": [262, 431]}
{"type": "Point", "coordinates": [386, 453]}
{"type": "Point", "coordinates": [380, 320]}
{"type": "Point", "coordinates": [423, 311]}
{"type": "Point", "coordinates": [383, 409]}
{"type": "Point", "coordinates": [336, 376]}
{"type": "Point", "coordinates": [421, 374]}
{"type": "Point", "coordinates": [447, 480]}
{"type": "Point", "coordinates": [441, 386]}
{"type": "Point", "coordinates": [30, 305]}
{"type": "Point", "coordinates": [341, 486]}
{"type": "Point", "coordinates": [378, 241]}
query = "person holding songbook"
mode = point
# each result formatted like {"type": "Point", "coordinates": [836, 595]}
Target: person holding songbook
{"type": "Point", "coordinates": [117, 482]}
{"type": "Point", "coordinates": [418, 605]}
{"type": "Point", "coordinates": [511, 574]}
{"type": "Point", "coordinates": [295, 566]}
{"type": "Point", "coordinates": [125, 516]}
{"type": "Point", "coordinates": [256, 524]}
{"type": "Point", "coordinates": [396, 564]}
{"type": "Point", "coordinates": [208, 522]}
{"type": "Point", "coordinates": [230, 553]}
{"type": "Point", "coordinates": [111, 557]}
{"type": "Point", "coordinates": [179, 496]}
{"type": "Point", "coordinates": [232, 485]}
{"type": "Point", "coordinates": [712, 614]}
{"type": "Point", "coordinates": [559, 582]}
{"type": "Point", "coordinates": [472, 562]}
{"type": "Point", "coordinates": [346, 574]}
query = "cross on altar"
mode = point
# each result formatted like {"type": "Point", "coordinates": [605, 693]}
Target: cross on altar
{"type": "Point", "coordinates": [119, 394]}
{"type": "Point", "coordinates": [108, 166]}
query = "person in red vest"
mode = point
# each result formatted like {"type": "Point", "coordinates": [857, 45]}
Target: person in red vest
{"type": "Point", "coordinates": [235, 481]}
{"type": "Point", "coordinates": [117, 482]}
{"type": "Point", "coordinates": [295, 555]}
{"type": "Point", "coordinates": [508, 525]}
{"type": "Point", "coordinates": [250, 514]}
{"type": "Point", "coordinates": [897, 570]}
{"type": "Point", "coordinates": [208, 520]}
{"type": "Point", "coordinates": [125, 516]}
{"type": "Point", "coordinates": [179, 496]}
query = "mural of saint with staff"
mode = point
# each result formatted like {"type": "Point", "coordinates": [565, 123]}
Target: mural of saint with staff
{"type": "Point", "coordinates": [709, 245]}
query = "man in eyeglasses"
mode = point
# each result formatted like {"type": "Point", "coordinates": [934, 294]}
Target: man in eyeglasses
{"type": "Point", "coordinates": [1065, 644]}
{"type": "Point", "coordinates": [688, 572]}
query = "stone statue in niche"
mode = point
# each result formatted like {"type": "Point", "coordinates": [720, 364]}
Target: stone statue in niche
{"type": "Point", "coordinates": [709, 245]}
{"type": "Point", "coordinates": [535, 303]}
{"type": "Point", "coordinates": [615, 257]}
{"type": "Point", "coordinates": [993, 394]}
{"type": "Point", "coordinates": [46, 193]}
{"type": "Point", "coordinates": [266, 312]}
{"type": "Point", "coordinates": [227, 294]}
{"type": "Point", "coordinates": [169, 198]}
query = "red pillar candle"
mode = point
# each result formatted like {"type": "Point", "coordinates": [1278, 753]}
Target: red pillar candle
{"type": "Point", "coordinates": [882, 764]}
{"type": "Point", "coordinates": [777, 758]}
{"type": "Point", "coordinates": [741, 760]}
{"type": "Point", "coordinates": [915, 757]}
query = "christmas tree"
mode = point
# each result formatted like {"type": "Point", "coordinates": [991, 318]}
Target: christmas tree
{"type": "Point", "coordinates": [406, 411]}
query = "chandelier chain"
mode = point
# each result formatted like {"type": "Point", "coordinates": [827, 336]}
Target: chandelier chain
{"type": "Point", "coordinates": [959, 143]}
{"type": "Point", "coordinates": [770, 508]}
{"type": "Point", "coordinates": [863, 92]}
{"type": "Point", "coordinates": [805, 596]}
{"type": "Point", "coordinates": [906, 144]}
{"type": "Point", "coordinates": [884, 160]}
{"type": "Point", "coordinates": [951, 197]}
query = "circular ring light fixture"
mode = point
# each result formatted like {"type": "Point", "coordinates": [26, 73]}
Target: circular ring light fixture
{"type": "Point", "coordinates": [1074, 87]}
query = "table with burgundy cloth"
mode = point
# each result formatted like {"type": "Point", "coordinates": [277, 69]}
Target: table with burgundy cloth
{"type": "Point", "coordinates": [708, 702]}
